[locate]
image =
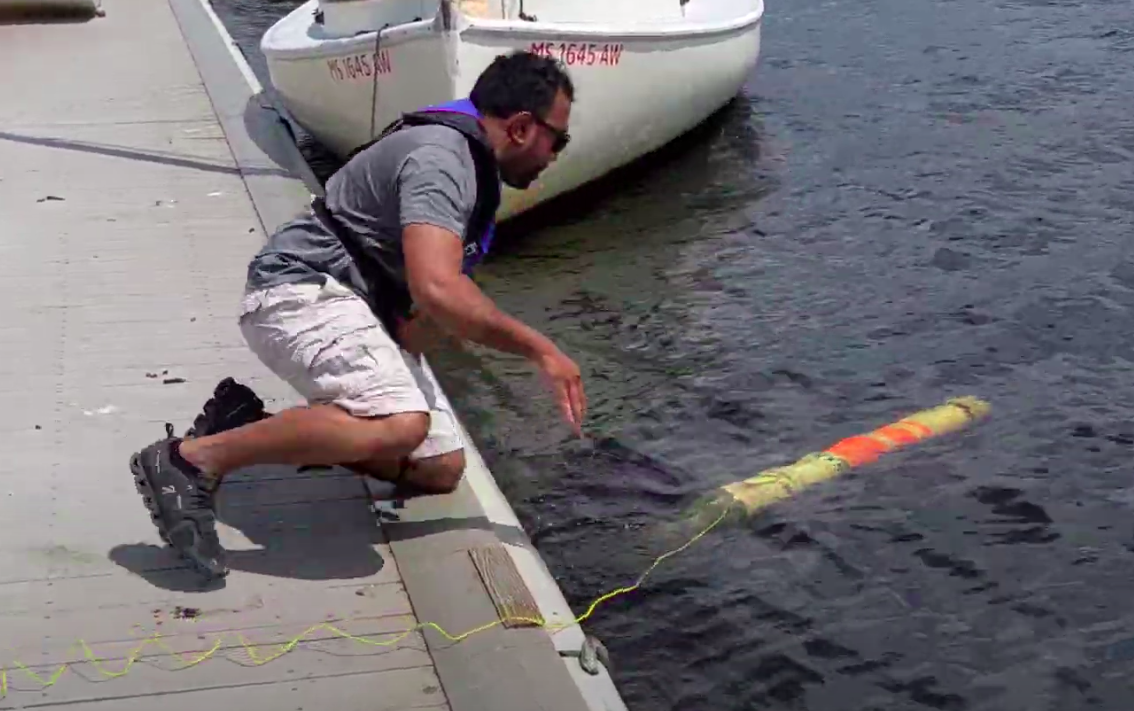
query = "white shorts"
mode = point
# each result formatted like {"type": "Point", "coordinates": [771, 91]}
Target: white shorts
{"type": "Point", "coordinates": [324, 341]}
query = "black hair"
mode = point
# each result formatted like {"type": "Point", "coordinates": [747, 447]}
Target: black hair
{"type": "Point", "coordinates": [521, 81]}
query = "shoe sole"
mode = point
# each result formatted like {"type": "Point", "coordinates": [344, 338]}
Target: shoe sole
{"type": "Point", "coordinates": [168, 535]}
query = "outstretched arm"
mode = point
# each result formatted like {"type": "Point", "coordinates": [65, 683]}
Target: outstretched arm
{"type": "Point", "coordinates": [433, 257]}
{"type": "Point", "coordinates": [437, 191]}
{"type": "Point", "coordinates": [441, 291]}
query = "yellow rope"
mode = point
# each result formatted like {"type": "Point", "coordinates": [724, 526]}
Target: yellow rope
{"type": "Point", "coordinates": [282, 649]}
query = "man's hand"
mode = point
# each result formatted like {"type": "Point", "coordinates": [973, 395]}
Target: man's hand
{"type": "Point", "coordinates": [566, 381]}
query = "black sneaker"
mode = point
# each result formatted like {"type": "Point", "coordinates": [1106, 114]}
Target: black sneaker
{"type": "Point", "coordinates": [181, 506]}
{"type": "Point", "coordinates": [232, 405]}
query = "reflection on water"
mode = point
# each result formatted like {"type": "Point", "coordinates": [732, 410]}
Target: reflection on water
{"type": "Point", "coordinates": [910, 201]}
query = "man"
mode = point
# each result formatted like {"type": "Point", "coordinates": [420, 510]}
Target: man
{"type": "Point", "coordinates": [335, 299]}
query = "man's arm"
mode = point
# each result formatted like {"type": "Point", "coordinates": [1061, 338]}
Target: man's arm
{"type": "Point", "coordinates": [439, 288]}
{"type": "Point", "coordinates": [437, 189]}
{"type": "Point", "coordinates": [437, 193]}
{"type": "Point", "coordinates": [444, 293]}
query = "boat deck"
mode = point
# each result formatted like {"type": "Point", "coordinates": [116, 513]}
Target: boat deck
{"type": "Point", "coordinates": [130, 211]}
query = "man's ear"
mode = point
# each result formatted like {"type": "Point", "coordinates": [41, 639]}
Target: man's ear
{"type": "Point", "coordinates": [519, 128]}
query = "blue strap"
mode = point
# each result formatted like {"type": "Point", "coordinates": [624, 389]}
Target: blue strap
{"type": "Point", "coordinates": [461, 106]}
{"type": "Point", "coordinates": [472, 259]}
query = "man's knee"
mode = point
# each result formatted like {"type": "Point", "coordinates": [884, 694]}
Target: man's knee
{"type": "Point", "coordinates": [440, 474]}
{"type": "Point", "coordinates": [399, 435]}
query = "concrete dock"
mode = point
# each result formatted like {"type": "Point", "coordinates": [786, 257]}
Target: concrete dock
{"type": "Point", "coordinates": [139, 170]}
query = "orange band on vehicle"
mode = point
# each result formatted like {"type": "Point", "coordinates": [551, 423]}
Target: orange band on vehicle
{"type": "Point", "coordinates": [900, 433]}
{"type": "Point", "coordinates": [923, 431]}
{"type": "Point", "coordinates": [858, 450]}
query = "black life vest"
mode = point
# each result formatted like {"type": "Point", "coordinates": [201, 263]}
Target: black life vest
{"type": "Point", "coordinates": [390, 297]}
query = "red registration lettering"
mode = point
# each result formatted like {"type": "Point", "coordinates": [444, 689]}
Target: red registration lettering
{"type": "Point", "coordinates": [580, 53]}
{"type": "Point", "coordinates": [360, 66]}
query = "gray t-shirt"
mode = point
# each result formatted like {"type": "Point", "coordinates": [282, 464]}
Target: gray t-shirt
{"type": "Point", "coordinates": [418, 174]}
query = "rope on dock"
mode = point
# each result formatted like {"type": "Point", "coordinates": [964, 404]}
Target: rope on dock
{"type": "Point", "coordinates": [742, 498]}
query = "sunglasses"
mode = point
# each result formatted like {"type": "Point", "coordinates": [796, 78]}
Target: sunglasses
{"type": "Point", "coordinates": [562, 138]}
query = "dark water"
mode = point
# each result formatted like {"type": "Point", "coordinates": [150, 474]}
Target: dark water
{"type": "Point", "coordinates": [911, 200]}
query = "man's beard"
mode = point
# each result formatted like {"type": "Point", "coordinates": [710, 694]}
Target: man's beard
{"type": "Point", "coordinates": [519, 180]}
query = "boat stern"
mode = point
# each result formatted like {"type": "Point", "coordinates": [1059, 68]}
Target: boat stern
{"type": "Point", "coordinates": [344, 86]}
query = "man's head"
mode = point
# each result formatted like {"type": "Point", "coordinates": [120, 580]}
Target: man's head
{"type": "Point", "coordinates": [526, 103]}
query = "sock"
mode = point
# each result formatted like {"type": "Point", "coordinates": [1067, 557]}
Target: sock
{"type": "Point", "coordinates": [181, 462]}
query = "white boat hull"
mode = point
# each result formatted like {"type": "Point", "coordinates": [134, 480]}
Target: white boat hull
{"type": "Point", "coordinates": [638, 87]}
